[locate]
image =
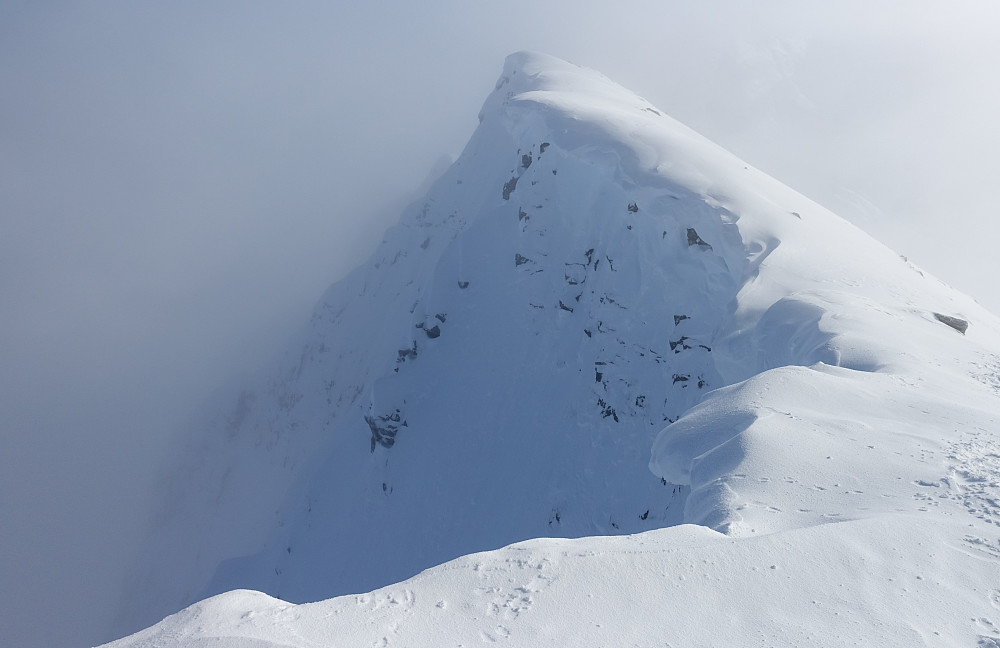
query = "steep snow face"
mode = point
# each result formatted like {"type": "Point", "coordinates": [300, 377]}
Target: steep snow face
{"type": "Point", "coordinates": [588, 272]}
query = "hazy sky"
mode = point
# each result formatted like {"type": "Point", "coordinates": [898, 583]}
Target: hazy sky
{"type": "Point", "coordinates": [180, 181]}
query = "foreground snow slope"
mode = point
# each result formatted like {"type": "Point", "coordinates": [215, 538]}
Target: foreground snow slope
{"type": "Point", "coordinates": [901, 580]}
{"type": "Point", "coordinates": [588, 272]}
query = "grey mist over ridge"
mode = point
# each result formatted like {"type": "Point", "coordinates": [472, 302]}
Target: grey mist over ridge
{"type": "Point", "coordinates": [174, 181]}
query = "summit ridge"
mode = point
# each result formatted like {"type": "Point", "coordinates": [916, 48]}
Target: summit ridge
{"type": "Point", "coordinates": [599, 323]}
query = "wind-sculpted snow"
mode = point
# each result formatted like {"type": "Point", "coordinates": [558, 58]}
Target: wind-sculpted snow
{"type": "Point", "coordinates": [599, 323]}
{"type": "Point", "coordinates": [886, 582]}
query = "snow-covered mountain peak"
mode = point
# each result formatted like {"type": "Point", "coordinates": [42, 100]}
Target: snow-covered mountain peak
{"type": "Point", "coordinates": [532, 75]}
{"type": "Point", "coordinates": [597, 322]}
{"type": "Point", "coordinates": [584, 110]}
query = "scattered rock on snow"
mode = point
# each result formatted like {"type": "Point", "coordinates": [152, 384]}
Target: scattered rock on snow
{"type": "Point", "coordinates": [509, 187]}
{"type": "Point", "coordinates": [384, 428]}
{"type": "Point", "coordinates": [956, 323]}
{"type": "Point", "coordinates": [694, 239]}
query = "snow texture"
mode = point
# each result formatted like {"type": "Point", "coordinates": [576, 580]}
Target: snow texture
{"type": "Point", "coordinates": [600, 324]}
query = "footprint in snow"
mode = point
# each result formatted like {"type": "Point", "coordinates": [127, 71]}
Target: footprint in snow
{"type": "Point", "coordinates": [995, 598]}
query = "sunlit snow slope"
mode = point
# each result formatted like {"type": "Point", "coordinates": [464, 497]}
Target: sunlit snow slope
{"type": "Point", "coordinates": [592, 281]}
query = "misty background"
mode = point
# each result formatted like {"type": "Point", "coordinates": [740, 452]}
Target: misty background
{"type": "Point", "coordinates": [180, 181]}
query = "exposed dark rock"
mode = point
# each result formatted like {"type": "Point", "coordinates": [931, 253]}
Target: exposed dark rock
{"type": "Point", "coordinates": [607, 299]}
{"type": "Point", "coordinates": [681, 378]}
{"type": "Point", "coordinates": [384, 428]}
{"type": "Point", "coordinates": [564, 306]}
{"type": "Point", "coordinates": [520, 259]}
{"type": "Point", "coordinates": [644, 515]}
{"type": "Point", "coordinates": [427, 241]}
{"type": "Point", "coordinates": [680, 318]}
{"type": "Point", "coordinates": [694, 239]}
{"type": "Point", "coordinates": [633, 208]}
{"type": "Point", "coordinates": [682, 343]}
{"type": "Point", "coordinates": [956, 323]}
{"type": "Point", "coordinates": [407, 353]}
{"type": "Point", "coordinates": [441, 317]}
{"type": "Point", "coordinates": [509, 187]}
{"type": "Point", "coordinates": [587, 331]}
{"type": "Point", "coordinates": [598, 376]}
{"type": "Point", "coordinates": [607, 410]}
{"type": "Point", "coordinates": [525, 161]}
{"type": "Point", "coordinates": [433, 332]}
{"type": "Point", "coordinates": [522, 215]}
{"type": "Point", "coordinates": [542, 147]}
{"type": "Point", "coordinates": [463, 284]}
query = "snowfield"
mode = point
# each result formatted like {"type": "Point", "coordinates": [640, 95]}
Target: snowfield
{"type": "Point", "coordinates": [706, 410]}
{"type": "Point", "coordinates": [895, 581]}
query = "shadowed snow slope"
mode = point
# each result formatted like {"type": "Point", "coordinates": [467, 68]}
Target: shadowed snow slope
{"type": "Point", "coordinates": [591, 280]}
